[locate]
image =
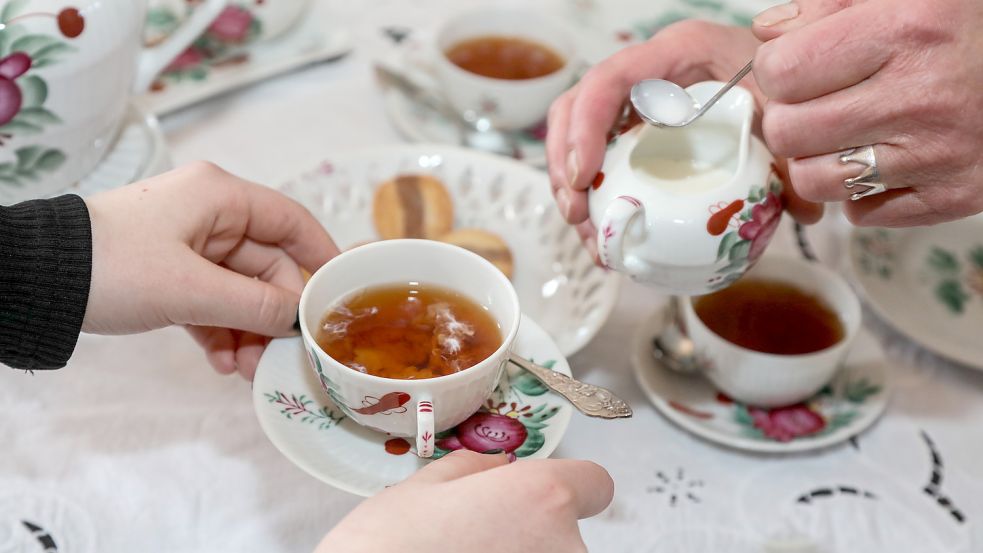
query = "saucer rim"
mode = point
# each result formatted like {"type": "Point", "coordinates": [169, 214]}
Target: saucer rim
{"type": "Point", "coordinates": [561, 420]}
{"type": "Point", "coordinates": [640, 363]}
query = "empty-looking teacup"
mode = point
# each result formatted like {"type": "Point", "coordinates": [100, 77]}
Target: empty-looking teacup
{"type": "Point", "coordinates": [777, 336]}
{"type": "Point", "coordinates": [688, 210]}
{"type": "Point", "coordinates": [354, 307]}
{"type": "Point", "coordinates": [67, 70]}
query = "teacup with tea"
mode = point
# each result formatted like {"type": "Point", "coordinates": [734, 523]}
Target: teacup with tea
{"type": "Point", "coordinates": [778, 335]}
{"type": "Point", "coordinates": [409, 337]}
{"type": "Point", "coordinates": [501, 66]}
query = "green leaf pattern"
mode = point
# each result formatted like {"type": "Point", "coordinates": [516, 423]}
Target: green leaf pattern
{"type": "Point", "coordinates": [954, 280]}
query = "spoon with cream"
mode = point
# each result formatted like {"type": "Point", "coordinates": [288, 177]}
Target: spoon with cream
{"type": "Point", "coordinates": [666, 104]}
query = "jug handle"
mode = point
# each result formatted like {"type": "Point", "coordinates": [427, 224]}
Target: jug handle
{"type": "Point", "coordinates": [153, 60]}
{"type": "Point", "coordinates": [611, 232]}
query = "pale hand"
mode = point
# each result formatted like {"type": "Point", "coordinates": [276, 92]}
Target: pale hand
{"type": "Point", "coordinates": [203, 248]}
{"type": "Point", "coordinates": [468, 500]}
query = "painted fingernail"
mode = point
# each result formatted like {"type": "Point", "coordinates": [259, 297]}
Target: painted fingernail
{"type": "Point", "coordinates": [493, 451]}
{"type": "Point", "coordinates": [563, 201]}
{"type": "Point", "coordinates": [775, 15]}
{"type": "Point", "coordinates": [573, 167]}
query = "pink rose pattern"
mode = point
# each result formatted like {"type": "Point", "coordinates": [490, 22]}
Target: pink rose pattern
{"type": "Point", "coordinates": [232, 25]}
{"type": "Point", "coordinates": [787, 423]}
{"type": "Point", "coordinates": [764, 221]}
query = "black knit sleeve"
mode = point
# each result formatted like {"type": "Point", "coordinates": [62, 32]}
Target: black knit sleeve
{"type": "Point", "coordinates": [45, 269]}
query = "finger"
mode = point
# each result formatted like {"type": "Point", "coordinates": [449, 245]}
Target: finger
{"type": "Point", "coordinates": [829, 55]}
{"type": "Point", "coordinates": [784, 18]}
{"type": "Point", "coordinates": [821, 178]}
{"type": "Point", "coordinates": [267, 263]}
{"type": "Point", "coordinates": [833, 123]}
{"type": "Point", "coordinates": [802, 210]}
{"type": "Point", "coordinates": [272, 218]}
{"type": "Point", "coordinates": [206, 294]}
{"type": "Point", "coordinates": [588, 235]}
{"type": "Point", "coordinates": [248, 353]}
{"type": "Point", "coordinates": [913, 207]}
{"type": "Point", "coordinates": [219, 345]}
{"type": "Point", "coordinates": [456, 465]}
{"type": "Point", "coordinates": [590, 487]}
{"type": "Point", "coordinates": [556, 152]}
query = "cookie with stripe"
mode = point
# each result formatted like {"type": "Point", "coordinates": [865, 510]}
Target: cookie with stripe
{"type": "Point", "coordinates": [484, 243]}
{"type": "Point", "coordinates": [412, 206]}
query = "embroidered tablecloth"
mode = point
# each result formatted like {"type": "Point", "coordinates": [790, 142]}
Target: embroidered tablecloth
{"type": "Point", "coordinates": [138, 446]}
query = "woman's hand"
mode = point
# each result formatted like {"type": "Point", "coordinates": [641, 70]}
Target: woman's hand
{"type": "Point", "coordinates": [203, 248]}
{"type": "Point", "coordinates": [903, 77]}
{"type": "Point", "coordinates": [581, 120]}
{"type": "Point", "coordinates": [468, 499]}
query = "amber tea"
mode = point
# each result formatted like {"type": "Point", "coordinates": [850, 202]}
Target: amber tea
{"type": "Point", "coordinates": [770, 316]}
{"type": "Point", "coordinates": [505, 57]}
{"type": "Point", "coordinates": [409, 332]}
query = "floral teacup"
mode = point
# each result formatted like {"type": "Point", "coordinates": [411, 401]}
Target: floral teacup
{"type": "Point", "coordinates": [67, 70]}
{"type": "Point", "coordinates": [688, 210]}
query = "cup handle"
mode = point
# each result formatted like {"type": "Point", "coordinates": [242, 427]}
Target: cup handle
{"type": "Point", "coordinates": [153, 60]}
{"type": "Point", "coordinates": [611, 232]}
{"type": "Point", "coordinates": [424, 428]}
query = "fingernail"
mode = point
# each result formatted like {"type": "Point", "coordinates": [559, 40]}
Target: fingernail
{"type": "Point", "coordinates": [776, 15]}
{"type": "Point", "coordinates": [494, 451]}
{"type": "Point", "coordinates": [573, 167]}
{"type": "Point", "coordinates": [563, 201]}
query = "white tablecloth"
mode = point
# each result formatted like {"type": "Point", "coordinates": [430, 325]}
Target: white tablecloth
{"type": "Point", "coordinates": [138, 446]}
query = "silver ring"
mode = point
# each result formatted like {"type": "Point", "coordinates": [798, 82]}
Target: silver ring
{"type": "Point", "coordinates": [869, 178]}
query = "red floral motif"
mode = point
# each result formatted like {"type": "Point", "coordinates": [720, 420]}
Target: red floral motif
{"type": "Point", "coordinates": [787, 423]}
{"type": "Point", "coordinates": [765, 217]}
{"type": "Point", "coordinates": [11, 67]}
{"type": "Point", "coordinates": [185, 60]}
{"type": "Point", "coordinates": [483, 432]}
{"type": "Point", "coordinates": [537, 131]}
{"type": "Point", "coordinates": [232, 25]}
{"type": "Point", "coordinates": [608, 232]}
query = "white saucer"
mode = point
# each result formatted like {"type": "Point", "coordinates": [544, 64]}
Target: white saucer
{"type": "Point", "coordinates": [140, 151]}
{"type": "Point", "coordinates": [555, 278]}
{"type": "Point", "coordinates": [303, 423]}
{"type": "Point", "coordinates": [849, 405]}
{"type": "Point", "coordinates": [927, 282]}
{"type": "Point", "coordinates": [419, 123]}
{"type": "Point", "coordinates": [317, 38]}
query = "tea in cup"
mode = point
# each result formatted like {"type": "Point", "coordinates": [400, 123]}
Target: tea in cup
{"type": "Point", "coordinates": [402, 344]}
{"type": "Point", "coordinates": [778, 335]}
{"type": "Point", "coordinates": [66, 81]}
{"type": "Point", "coordinates": [503, 66]}
{"type": "Point", "coordinates": [688, 210]}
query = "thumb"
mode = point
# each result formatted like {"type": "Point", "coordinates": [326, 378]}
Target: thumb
{"type": "Point", "coordinates": [211, 295]}
{"type": "Point", "coordinates": [458, 464]}
{"type": "Point", "coordinates": [778, 20]}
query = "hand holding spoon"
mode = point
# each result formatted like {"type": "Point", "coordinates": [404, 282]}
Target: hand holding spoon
{"type": "Point", "coordinates": [666, 104]}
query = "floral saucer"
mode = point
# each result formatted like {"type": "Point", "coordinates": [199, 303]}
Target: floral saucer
{"type": "Point", "coordinates": [927, 282]}
{"type": "Point", "coordinates": [310, 430]}
{"type": "Point", "coordinates": [842, 410]}
{"type": "Point", "coordinates": [556, 280]}
{"type": "Point", "coordinates": [318, 37]}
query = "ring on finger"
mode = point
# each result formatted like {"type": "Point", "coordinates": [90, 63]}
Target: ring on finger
{"type": "Point", "coordinates": [869, 178]}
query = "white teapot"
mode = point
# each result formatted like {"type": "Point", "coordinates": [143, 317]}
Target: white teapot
{"type": "Point", "coordinates": [688, 210]}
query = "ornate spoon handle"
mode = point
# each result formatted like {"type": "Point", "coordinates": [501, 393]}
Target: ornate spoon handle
{"type": "Point", "coordinates": [590, 400]}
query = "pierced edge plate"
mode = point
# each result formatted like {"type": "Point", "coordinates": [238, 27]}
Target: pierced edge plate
{"type": "Point", "coordinates": [653, 378]}
{"type": "Point", "coordinates": [556, 280]}
{"type": "Point", "coordinates": [376, 469]}
{"type": "Point", "coordinates": [893, 303]}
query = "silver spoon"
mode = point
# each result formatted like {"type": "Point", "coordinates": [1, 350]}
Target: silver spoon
{"type": "Point", "coordinates": [672, 348]}
{"type": "Point", "coordinates": [472, 131]}
{"type": "Point", "coordinates": [591, 400]}
{"type": "Point", "coordinates": [666, 104]}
